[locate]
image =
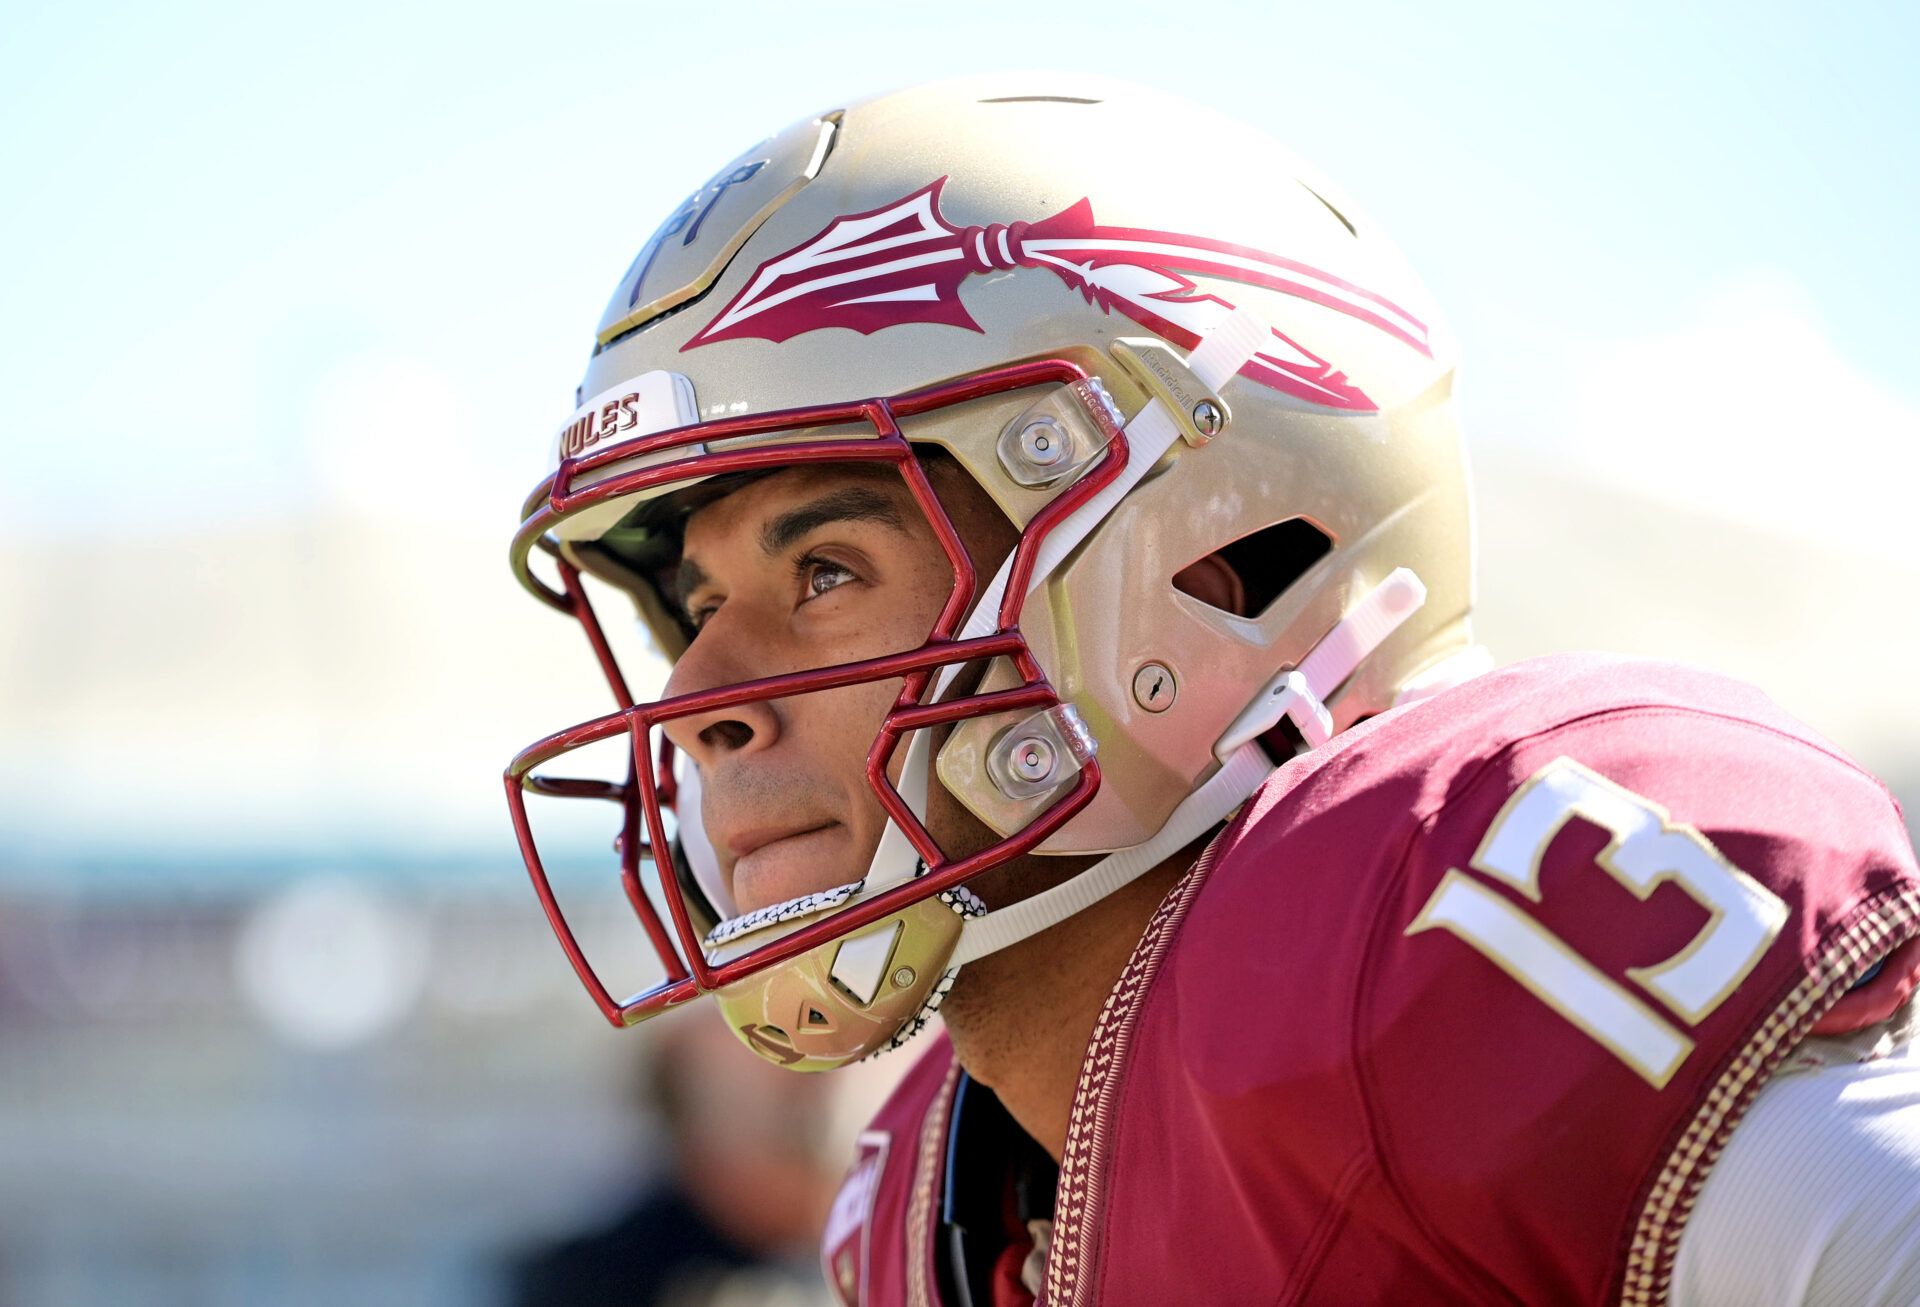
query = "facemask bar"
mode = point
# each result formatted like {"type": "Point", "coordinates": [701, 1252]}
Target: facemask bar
{"type": "Point", "coordinates": [649, 790]}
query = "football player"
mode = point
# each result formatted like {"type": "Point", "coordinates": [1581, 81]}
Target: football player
{"type": "Point", "coordinates": [1051, 499]}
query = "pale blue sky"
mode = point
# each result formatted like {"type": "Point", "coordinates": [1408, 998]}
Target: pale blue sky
{"type": "Point", "coordinates": [220, 215]}
{"type": "Point", "coordinates": [267, 260]}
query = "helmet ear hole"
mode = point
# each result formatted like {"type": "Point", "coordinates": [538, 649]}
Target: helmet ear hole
{"type": "Point", "coordinates": [1251, 573]}
{"type": "Point", "coordinates": [1214, 582]}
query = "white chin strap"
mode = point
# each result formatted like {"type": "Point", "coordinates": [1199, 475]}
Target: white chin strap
{"type": "Point", "coordinates": [1220, 356]}
{"type": "Point", "coordinates": [1300, 693]}
{"type": "Point", "coordinates": [693, 838]}
{"type": "Point", "coordinates": [1197, 814]}
{"type": "Point", "coordinates": [1151, 433]}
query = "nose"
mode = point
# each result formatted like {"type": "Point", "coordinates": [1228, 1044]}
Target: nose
{"type": "Point", "coordinates": [711, 737]}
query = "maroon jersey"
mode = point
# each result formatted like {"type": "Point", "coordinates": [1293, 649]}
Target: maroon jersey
{"type": "Point", "coordinates": [878, 1247]}
{"type": "Point", "coordinates": [1460, 1008]}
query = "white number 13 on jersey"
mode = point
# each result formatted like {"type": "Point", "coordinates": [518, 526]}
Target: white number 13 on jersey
{"type": "Point", "coordinates": [1647, 849]}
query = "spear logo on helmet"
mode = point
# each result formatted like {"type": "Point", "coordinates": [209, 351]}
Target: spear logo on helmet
{"type": "Point", "coordinates": [904, 262]}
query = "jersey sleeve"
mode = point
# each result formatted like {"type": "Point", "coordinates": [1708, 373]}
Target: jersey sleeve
{"type": "Point", "coordinates": [1816, 1199]}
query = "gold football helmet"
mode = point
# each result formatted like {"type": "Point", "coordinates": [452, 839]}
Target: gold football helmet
{"type": "Point", "coordinates": [1152, 336]}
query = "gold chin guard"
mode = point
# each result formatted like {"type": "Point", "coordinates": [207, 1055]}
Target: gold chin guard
{"type": "Point", "coordinates": [848, 997]}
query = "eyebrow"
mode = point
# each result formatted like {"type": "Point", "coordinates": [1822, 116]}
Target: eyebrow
{"type": "Point", "coordinates": [847, 504]}
{"type": "Point", "coordinates": [778, 533]}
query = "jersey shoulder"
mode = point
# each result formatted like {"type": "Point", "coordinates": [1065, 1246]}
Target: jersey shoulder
{"type": "Point", "coordinates": [1614, 694]}
{"type": "Point", "coordinates": [1415, 783]}
{"type": "Point", "coordinates": [1568, 819]}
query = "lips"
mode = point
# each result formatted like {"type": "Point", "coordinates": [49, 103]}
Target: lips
{"type": "Point", "coordinates": [741, 843]}
{"type": "Point", "coordinates": [783, 864]}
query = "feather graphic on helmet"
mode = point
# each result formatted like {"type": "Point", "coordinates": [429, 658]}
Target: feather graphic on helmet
{"type": "Point", "coordinates": [904, 262]}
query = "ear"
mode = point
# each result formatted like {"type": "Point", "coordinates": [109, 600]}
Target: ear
{"type": "Point", "coordinates": [1213, 581]}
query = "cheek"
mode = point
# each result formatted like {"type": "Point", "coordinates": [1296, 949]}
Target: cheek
{"type": "Point", "coordinates": [847, 721]}
{"type": "Point", "coordinates": [960, 834]}
{"type": "Point", "coordinates": [899, 616]}
{"type": "Point", "coordinates": [932, 584]}
{"type": "Point", "coordinates": [896, 620]}
{"type": "Point", "coordinates": [840, 727]}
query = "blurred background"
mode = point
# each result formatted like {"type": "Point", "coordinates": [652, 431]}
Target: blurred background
{"type": "Point", "coordinates": [293, 300]}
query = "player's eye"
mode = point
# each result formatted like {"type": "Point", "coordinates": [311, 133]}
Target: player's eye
{"type": "Point", "coordinates": [819, 575]}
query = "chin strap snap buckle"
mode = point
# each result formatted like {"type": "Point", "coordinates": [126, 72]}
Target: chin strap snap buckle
{"type": "Point", "coordinates": [1299, 693]}
{"type": "Point", "coordinates": [1295, 699]}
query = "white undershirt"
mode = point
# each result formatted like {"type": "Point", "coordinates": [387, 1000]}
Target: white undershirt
{"type": "Point", "coordinates": [1816, 1199]}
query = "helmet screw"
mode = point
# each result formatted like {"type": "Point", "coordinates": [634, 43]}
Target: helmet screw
{"type": "Point", "coordinates": [903, 977]}
{"type": "Point", "coordinates": [1154, 687]}
{"type": "Point", "coordinates": [1033, 759]}
{"type": "Point", "coordinates": [1042, 443]}
{"type": "Point", "coordinates": [1208, 418]}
